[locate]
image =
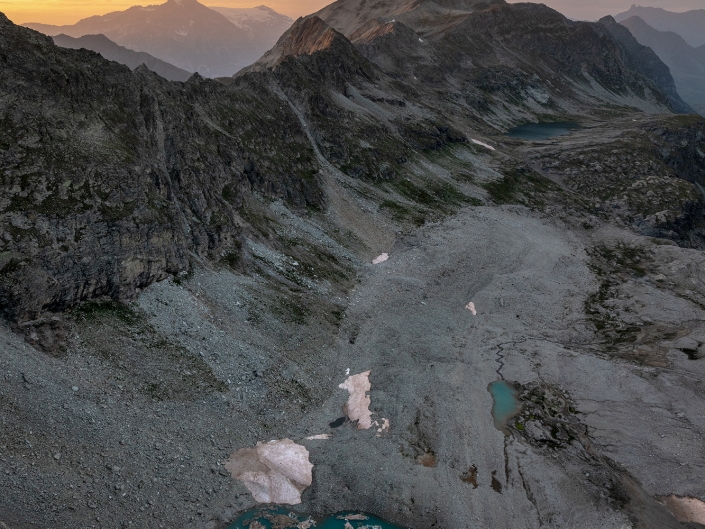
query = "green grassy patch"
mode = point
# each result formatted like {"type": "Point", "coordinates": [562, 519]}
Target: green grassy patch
{"type": "Point", "coordinates": [520, 185]}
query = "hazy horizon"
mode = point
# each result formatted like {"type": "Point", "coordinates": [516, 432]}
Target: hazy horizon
{"type": "Point", "coordinates": [62, 12]}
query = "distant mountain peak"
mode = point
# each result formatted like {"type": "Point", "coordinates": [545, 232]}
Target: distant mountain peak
{"type": "Point", "coordinates": [689, 24]}
{"type": "Point", "coordinates": [215, 42]}
{"type": "Point", "coordinates": [113, 52]}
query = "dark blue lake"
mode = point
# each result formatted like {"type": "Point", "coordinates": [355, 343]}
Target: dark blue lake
{"type": "Point", "coordinates": [281, 518]}
{"type": "Point", "coordinates": [542, 131]}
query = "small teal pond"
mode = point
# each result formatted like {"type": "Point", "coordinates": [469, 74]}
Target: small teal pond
{"type": "Point", "coordinates": [542, 131]}
{"type": "Point", "coordinates": [505, 404]}
{"type": "Point", "coordinates": [281, 518]}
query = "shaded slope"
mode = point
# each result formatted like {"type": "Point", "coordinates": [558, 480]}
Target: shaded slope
{"type": "Point", "coordinates": [642, 58]}
{"type": "Point", "coordinates": [124, 176]}
{"type": "Point", "coordinates": [113, 52]}
{"type": "Point", "coordinates": [687, 64]}
{"type": "Point", "coordinates": [518, 57]}
{"type": "Point", "coordinates": [690, 24]}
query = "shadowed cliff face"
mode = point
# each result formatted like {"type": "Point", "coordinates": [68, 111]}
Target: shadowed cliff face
{"type": "Point", "coordinates": [112, 179]}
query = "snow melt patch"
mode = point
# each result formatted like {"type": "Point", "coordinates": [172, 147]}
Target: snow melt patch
{"type": "Point", "coordinates": [478, 142]}
{"type": "Point", "coordinates": [273, 472]}
{"type": "Point", "coordinates": [471, 307]}
{"type": "Point", "coordinates": [320, 436]}
{"type": "Point", "coordinates": [348, 517]}
{"type": "Point", "coordinates": [380, 259]}
{"type": "Point", "coordinates": [686, 509]}
{"type": "Point", "coordinates": [384, 427]}
{"type": "Point", "coordinates": [357, 408]}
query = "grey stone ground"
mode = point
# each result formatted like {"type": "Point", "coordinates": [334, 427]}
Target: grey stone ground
{"type": "Point", "coordinates": [85, 444]}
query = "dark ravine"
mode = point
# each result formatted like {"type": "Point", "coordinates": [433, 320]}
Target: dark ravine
{"type": "Point", "coordinates": [192, 257]}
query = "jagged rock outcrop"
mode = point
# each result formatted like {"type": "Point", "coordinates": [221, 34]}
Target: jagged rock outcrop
{"type": "Point", "coordinates": [118, 177]}
{"type": "Point", "coordinates": [497, 58]}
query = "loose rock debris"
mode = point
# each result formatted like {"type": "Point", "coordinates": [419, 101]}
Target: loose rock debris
{"type": "Point", "coordinates": [471, 307]}
{"type": "Point", "coordinates": [274, 472]}
{"type": "Point", "coordinates": [380, 259]}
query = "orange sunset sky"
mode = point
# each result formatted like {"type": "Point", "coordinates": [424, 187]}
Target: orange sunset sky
{"type": "Point", "coordinates": [71, 11]}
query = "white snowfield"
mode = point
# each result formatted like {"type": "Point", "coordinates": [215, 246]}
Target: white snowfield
{"type": "Point", "coordinates": [357, 408]}
{"type": "Point", "coordinates": [274, 472]}
{"type": "Point", "coordinates": [686, 510]}
{"type": "Point", "coordinates": [247, 17]}
{"type": "Point", "coordinates": [381, 258]}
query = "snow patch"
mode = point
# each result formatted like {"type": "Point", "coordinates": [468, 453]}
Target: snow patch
{"type": "Point", "coordinates": [686, 510]}
{"type": "Point", "coordinates": [471, 307]}
{"type": "Point", "coordinates": [380, 259]}
{"type": "Point", "coordinates": [384, 427]}
{"type": "Point", "coordinates": [348, 517]}
{"type": "Point", "coordinates": [273, 472]}
{"type": "Point", "coordinates": [320, 436]}
{"type": "Point", "coordinates": [482, 143]}
{"type": "Point", "coordinates": [357, 408]}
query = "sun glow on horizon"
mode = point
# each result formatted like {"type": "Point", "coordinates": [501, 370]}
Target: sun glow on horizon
{"type": "Point", "coordinates": [65, 12]}
{"type": "Point", "coordinates": [62, 12]}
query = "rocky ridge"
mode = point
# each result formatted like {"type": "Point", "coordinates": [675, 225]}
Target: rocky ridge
{"type": "Point", "coordinates": [132, 59]}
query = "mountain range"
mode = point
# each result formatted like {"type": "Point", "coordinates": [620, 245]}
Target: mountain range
{"type": "Point", "coordinates": [189, 268]}
{"type": "Point", "coordinates": [262, 23]}
{"type": "Point", "coordinates": [113, 52]}
{"type": "Point", "coordinates": [688, 24]}
{"type": "Point", "coordinates": [686, 63]}
{"type": "Point", "coordinates": [185, 33]}
{"type": "Point", "coordinates": [374, 93]}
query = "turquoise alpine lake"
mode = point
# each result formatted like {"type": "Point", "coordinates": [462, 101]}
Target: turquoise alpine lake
{"type": "Point", "coordinates": [284, 518]}
{"type": "Point", "coordinates": [505, 404]}
{"type": "Point", "coordinates": [542, 131]}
